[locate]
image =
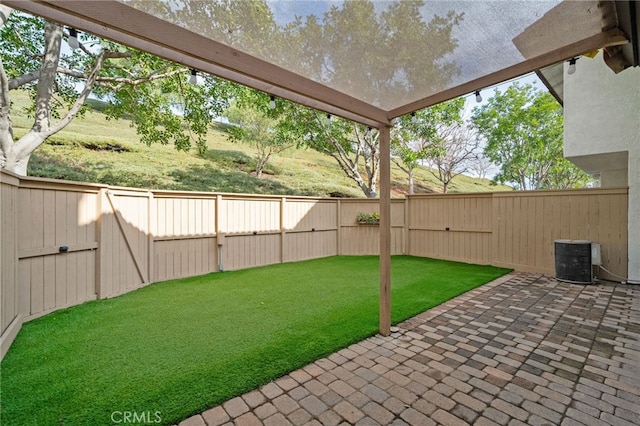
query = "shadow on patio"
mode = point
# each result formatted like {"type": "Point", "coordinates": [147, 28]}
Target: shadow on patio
{"type": "Point", "coordinates": [524, 349]}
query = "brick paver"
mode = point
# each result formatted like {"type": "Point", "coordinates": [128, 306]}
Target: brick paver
{"type": "Point", "coordinates": [524, 349]}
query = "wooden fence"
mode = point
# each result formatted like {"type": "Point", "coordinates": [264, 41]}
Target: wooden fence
{"type": "Point", "coordinates": [518, 229]}
{"type": "Point", "coordinates": [63, 243]}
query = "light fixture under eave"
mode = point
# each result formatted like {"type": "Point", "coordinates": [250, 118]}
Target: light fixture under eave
{"type": "Point", "coordinates": [72, 41]}
{"type": "Point", "coordinates": [272, 103]}
{"type": "Point", "coordinates": [194, 76]}
{"type": "Point", "coordinates": [572, 66]}
{"type": "Point", "coordinates": [478, 96]}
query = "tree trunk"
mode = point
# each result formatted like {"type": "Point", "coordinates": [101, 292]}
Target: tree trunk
{"type": "Point", "coordinates": [369, 192]}
{"type": "Point", "coordinates": [352, 172]}
{"type": "Point", "coordinates": [5, 11]}
{"type": "Point", "coordinates": [372, 190]}
{"type": "Point", "coordinates": [445, 186]}
{"type": "Point", "coordinates": [410, 172]}
{"type": "Point", "coordinates": [16, 157]}
{"type": "Point", "coordinates": [259, 168]}
{"type": "Point", "coordinates": [261, 164]}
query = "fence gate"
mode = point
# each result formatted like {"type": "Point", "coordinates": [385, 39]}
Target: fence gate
{"type": "Point", "coordinates": [125, 241]}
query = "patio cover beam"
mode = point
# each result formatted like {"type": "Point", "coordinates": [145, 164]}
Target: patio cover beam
{"type": "Point", "coordinates": [116, 21]}
{"type": "Point", "coordinates": [613, 37]}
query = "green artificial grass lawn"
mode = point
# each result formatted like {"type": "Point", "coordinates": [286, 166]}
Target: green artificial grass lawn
{"type": "Point", "coordinates": [182, 346]}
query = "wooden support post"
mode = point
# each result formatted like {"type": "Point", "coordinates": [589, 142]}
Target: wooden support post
{"type": "Point", "coordinates": [385, 230]}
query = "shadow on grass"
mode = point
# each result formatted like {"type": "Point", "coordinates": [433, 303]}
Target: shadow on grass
{"type": "Point", "coordinates": [229, 158]}
{"type": "Point", "coordinates": [100, 172]}
{"type": "Point", "coordinates": [208, 178]}
{"type": "Point", "coordinates": [239, 160]}
{"type": "Point", "coordinates": [49, 167]}
{"type": "Point", "coordinates": [225, 171]}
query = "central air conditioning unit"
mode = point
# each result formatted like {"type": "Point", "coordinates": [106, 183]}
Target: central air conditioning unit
{"type": "Point", "coordinates": [575, 260]}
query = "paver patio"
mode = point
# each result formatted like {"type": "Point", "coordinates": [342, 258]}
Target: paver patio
{"type": "Point", "coordinates": [524, 349]}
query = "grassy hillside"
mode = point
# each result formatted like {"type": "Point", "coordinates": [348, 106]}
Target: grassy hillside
{"type": "Point", "coordinates": [92, 149]}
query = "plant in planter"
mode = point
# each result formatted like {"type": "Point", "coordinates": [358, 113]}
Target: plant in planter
{"type": "Point", "coordinates": [368, 218]}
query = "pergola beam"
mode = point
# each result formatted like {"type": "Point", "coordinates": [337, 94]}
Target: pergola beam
{"type": "Point", "coordinates": [121, 23]}
{"type": "Point", "coordinates": [613, 37]}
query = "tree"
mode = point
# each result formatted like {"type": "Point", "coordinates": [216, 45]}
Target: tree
{"type": "Point", "coordinates": [152, 92]}
{"type": "Point", "coordinates": [480, 165]}
{"type": "Point", "coordinates": [354, 147]}
{"type": "Point", "coordinates": [406, 153]}
{"type": "Point", "coordinates": [253, 125]}
{"type": "Point", "coordinates": [372, 47]}
{"type": "Point", "coordinates": [357, 43]}
{"type": "Point", "coordinates": [565, 175]}
{"type": "Point", "coordinates": [458, 150]}
{"type": "Point", "coordinates": [417, 137]}
{"type": "Point", "coordinates": [523, 128]}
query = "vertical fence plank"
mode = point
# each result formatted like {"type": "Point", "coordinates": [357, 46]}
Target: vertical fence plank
{"type": "Point", "coordinates": [152, 219]}
{"type": "Point", "coordinates": [11, 314]}
{"type": "Point", "coordinates": [282, 212]}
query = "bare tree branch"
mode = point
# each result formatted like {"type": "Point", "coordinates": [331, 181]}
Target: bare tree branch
{"type": "Point", "coordinates": [459, 149]}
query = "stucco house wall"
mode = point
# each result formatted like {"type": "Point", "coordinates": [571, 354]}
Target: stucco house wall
{"type": "Point", "coordinates": [602, 134]}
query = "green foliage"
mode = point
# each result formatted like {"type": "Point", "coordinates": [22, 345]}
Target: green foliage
{"type": "Point", "coordinates": [162, 108]}
{"type": "Point", "coordinates": [254, 126]}
{"type": "Point", "coordinates": [224, 167]}
{"type": "Point", "coordinates": [180, 347]}
{"type": "Point", "coordinates": [13, 44]}
{"type": "Point", "coordinates": [523, 128]}
{"type": "Point", "coordinates": [355, 40]}
{"type": "Point", "coordinates": [362, 38]}
{"type": "Point", "coordinates": [371, 218]}
{"type": "Point", "coordinates": [149, 91]}
{"type": "Point", "coordinates": [353, 146]}
{"type": "Point", "coordinates": [419, 136]}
